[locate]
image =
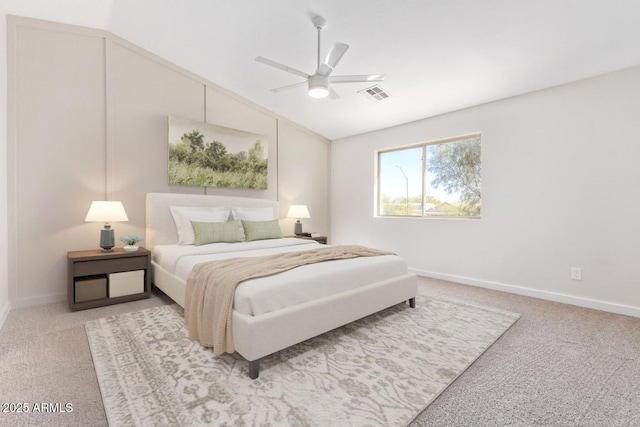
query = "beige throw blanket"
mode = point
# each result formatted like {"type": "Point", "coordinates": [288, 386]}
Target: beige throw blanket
{"type": "Point", "coordinates": [211, 288]}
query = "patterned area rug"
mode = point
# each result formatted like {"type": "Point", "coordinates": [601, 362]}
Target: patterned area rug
{"type": "Point", "coordinates": [381, 370]}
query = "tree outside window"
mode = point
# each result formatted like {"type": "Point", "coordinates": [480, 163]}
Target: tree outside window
{"type": "Point", "coordinates": [434, 179]}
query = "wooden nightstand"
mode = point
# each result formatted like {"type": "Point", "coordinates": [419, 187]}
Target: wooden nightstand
{"type": "Point", "coordinates": [89, 274]}
{"type": "Point", "coordinates": [319, 239]}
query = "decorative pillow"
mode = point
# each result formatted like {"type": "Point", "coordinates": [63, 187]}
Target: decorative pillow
{"type": "Point", "coordinates": [183, 216]}
{"type": "Point", "coordinates": [253, 214]}
{"type": "Point", "coordinates": [261, 230]}
{"type": "Point", "coordinates": [217, 232]}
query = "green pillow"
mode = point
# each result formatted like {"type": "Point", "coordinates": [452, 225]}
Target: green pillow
{"type": "Point", "coordinates": [261, 230]}
{"type": "Point", "coordinates": [217, 232]}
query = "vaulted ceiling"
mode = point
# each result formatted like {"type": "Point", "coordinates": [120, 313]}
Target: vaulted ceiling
{"type": "Point", "coordinates": [437, 55]}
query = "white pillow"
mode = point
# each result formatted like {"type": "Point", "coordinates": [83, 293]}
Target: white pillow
{"type": "Point", "coordinates": [183, 216]}
{"type": "Point", "coordinates": [253, 214]}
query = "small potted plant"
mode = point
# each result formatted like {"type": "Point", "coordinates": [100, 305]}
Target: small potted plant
{"type": "Point", "coordinates": [130, 242]}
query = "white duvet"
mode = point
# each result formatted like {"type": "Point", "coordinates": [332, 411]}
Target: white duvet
{"type": "Point", "coordinates": [302, 284]}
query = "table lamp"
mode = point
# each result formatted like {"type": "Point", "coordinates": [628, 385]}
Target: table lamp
{"type": "Point", "coordinates": [106, 212]}
{"type": "Point", "coordinates": [298, 212]}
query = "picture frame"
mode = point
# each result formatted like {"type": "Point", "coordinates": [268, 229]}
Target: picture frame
{"type": "Point", "coordinates": [207, 155]}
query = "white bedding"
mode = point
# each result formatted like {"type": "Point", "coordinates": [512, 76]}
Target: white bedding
{"type": "Point", "coordinates": [266, 294]}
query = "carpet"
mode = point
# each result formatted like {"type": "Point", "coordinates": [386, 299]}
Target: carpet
{"type": "Point", "coordinates": [381, 370]}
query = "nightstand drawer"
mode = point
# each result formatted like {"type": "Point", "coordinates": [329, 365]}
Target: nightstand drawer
{"type": "Point", "coordinates": [105, 266]}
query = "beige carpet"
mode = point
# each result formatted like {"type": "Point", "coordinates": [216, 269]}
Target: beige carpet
{"type": "Point", "coordinates": [519, 381]}
{"type": "Point", "coordinates": [382, 370]}
{"type": "Point", "coordinates": [559, 365]}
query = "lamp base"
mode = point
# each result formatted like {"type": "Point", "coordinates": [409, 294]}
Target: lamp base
{"type": "Point", "coordinates": [107, 242]}
{"type": "Point", "coordinates": [298, 228]}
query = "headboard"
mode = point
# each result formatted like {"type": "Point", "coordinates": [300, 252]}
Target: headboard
{"type": "Point", "coordinates": [161, 229]}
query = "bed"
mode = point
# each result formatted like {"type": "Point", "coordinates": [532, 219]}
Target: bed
{"type": "Point", "coordinates": [273, 313]}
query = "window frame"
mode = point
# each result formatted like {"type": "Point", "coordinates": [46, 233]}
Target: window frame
{"type": "Point", "coordinates": [424, 146]}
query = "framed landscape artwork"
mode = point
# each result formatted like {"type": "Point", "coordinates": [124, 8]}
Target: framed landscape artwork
{"type": "Point", "coordinates": [206, 155]}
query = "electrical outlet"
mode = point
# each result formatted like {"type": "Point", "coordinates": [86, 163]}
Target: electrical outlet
{"type": "Point", "coordinates": [576, 273]}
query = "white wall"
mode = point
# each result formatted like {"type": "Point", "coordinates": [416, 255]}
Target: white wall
{"type": "Point", "coordinates": [4, 278]}
{"type": "Point", "coordinates": [93, 13]}
{"type": "Point", "coordinates": [304, 178]}
{"type": "Point", "coordinates": [56, 150]}
{"type": "Point", "coordinates": [560, 180]}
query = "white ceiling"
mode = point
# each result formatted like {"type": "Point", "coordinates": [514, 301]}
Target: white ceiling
{"type": "Point", "coordinates": [438, 55]}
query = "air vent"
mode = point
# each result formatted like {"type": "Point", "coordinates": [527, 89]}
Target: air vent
{"type": "Point", "coordinates": [374, 93]}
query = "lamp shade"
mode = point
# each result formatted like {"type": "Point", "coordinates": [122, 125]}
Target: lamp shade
{"type": "Point", "coordinates": [298, 211]}
{"type": "Point", "coordinates": [106, 212]}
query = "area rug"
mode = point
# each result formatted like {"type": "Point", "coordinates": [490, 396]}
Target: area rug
{"type": "Point", "coordinates": [382, 370]}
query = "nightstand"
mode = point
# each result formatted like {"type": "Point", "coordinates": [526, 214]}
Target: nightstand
{"type": "Point", "coordinates": [96, 278]}
{"type": "Point", "coordinates": [319, 239]}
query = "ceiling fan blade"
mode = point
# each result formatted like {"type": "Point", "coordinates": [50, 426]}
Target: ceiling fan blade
{"type": "Point", "coordinates": [293, 86]}
{"type": "Point", "coordinates": [282, 67]}
{"type": "Point", "coordinates": [332, 59]}
{"type": "Point", "coordinates": [357, 78]}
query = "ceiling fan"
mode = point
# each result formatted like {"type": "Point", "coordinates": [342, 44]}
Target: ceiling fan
{"type": "Point", "coordinates": [318, 82]}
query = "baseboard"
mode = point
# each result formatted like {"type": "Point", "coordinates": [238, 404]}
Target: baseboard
{"type": "Point", "coordinates": [45, 299]}
{"type": "Point", "coordinates": [4, 313]}
{"type": "Point", "coordinates": [535, 293]}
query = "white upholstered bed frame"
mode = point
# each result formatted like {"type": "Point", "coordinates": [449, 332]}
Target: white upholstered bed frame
{"type": "Point", "coordinates": [258, 336]}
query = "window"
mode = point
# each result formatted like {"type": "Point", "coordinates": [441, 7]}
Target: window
{"type": "Point", "coordinates": [433, 179]}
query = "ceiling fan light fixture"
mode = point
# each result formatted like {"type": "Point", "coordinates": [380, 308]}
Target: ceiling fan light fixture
{"type": "Point", "coordinates": [318, 86]}
{"type": "Point", "coordinates": [318, 92]}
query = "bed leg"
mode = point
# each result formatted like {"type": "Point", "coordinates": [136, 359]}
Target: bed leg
{"type": "Point", "coordinates": [412, 302]}
{"type": "Point", "coordinates": [254, 368]}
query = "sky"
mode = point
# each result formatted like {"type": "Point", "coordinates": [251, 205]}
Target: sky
{"type": "Point", "coordinates": [394, 183]}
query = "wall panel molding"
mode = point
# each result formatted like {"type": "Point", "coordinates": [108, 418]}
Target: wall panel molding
{"type": "Point", "coordinates": [108, 141]}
